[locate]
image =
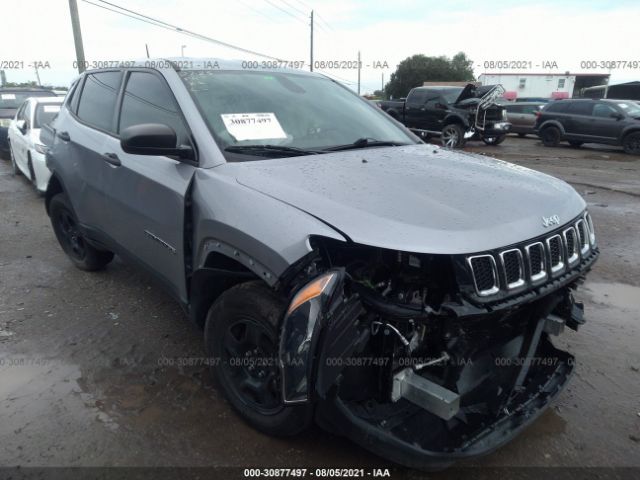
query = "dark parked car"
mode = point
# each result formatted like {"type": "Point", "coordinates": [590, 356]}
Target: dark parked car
{"type": "Point", "coordinates": [456, 114]}
{"type": "Point", "coordinates": [578, 121]}
{"type": "Point", "coordinates": [10, 100]}
{"type": "Point", "coordinates": [397, 293]}
{"type": "Point", "coordinates": [522, 116]}
{"type": "Point", "coordinates": [533, 99]}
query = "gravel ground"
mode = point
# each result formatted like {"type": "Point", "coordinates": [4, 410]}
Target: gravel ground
{"type": "Point", "coordinates": [88, 361]}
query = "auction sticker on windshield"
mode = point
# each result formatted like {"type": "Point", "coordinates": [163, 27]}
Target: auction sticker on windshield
{"type": "Point", "coordinates": [253, 126]}
{"type": "Point", "coordinates": [8, 96]}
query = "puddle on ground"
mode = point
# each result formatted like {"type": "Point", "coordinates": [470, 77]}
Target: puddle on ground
{"type": "Point", "coordinates": [620, 295]}
{"type": "Point", "coordinates": [29, 385]}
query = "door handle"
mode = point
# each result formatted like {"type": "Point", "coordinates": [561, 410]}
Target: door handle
{"type": "Point", "coordinates": [64, 136]}
{"type": "Point", "coordinates": [111, 158]}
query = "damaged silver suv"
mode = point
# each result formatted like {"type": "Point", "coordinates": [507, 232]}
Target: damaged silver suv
{"type": "Point", "coordinates": [344, 272]}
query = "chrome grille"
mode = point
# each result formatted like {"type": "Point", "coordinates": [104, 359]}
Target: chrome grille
{"type": "Point", "coordinates": [571, 244]}
{"type": "Point", "coordinates": [583, 236]}
{"type": "Point", "coordinates": [513, 267]}
{"type": "Point", "coordinates": [535, 262]}
{"type": "Point", "coordinates": [556, 259]}
{"type": "Point", "coordinates": [485, 274]}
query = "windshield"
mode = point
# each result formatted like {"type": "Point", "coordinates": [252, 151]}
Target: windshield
{"type": "Point", "coordinates": [288, 110]}
{"type": "Point", "coordinates": [451, 94]}
{"type": "Point", "coordinates": [13, 100]}
{"type": "Point", "coordinates": [45, 113]}
{"type": "Point", "coordinates": [630, 108]}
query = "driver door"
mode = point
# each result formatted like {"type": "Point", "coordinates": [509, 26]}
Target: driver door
{"type": "Point", "coordinates": [145, 194]}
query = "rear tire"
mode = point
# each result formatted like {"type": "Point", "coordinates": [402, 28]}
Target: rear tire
{"type": "Point", "coordinates": [494, 140]}
{"type": "Point", "coordinates": [65, 226]}
{"type": "Point", "coordinates": [452, 136]}
{"type": "Point", "coordinates": [242, 337]}
{"type": "Point", "coordinates": [550, 136]}
{"type": "Point", "coordinates": [631, 143]}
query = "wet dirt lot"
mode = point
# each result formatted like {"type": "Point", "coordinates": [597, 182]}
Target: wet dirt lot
{"type": "Point", "coordinates": [93, 370]}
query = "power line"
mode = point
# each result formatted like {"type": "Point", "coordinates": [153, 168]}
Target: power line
{"type": "Point", "coordinates": [168, 26]}
{"type": "Point", "coordinates": [293, 7]}
{"type": "Point", "coordinates": [256, 10]}
{"type": "Point", "coordinates": [285, 11]}
{"type": "Point", "coordinates": [306, 5]}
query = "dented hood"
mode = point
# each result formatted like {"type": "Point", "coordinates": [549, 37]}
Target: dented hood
{"type": "Point", "coordinates": [418, 198]}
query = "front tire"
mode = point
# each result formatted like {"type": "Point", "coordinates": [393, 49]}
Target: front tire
{"type": "Point", "coordinates": [452, 136]}
{"type": "Point", "coordinates": [550, 136]}
{"type": "Point", "coordinates": [631, 143]}
{"type": "Point", "coordinates": [65, 226]}
{"type": "Point", "coordinates": [242, 337]}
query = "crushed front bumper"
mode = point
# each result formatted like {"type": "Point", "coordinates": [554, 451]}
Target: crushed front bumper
{"type": "Point", "coordinates": [411, 436]}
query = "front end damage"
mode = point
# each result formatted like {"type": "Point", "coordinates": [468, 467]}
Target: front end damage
{"type": "Point", "coordinates": [486, 118]}
{"type": "Point", "coordinates": [407, 354]}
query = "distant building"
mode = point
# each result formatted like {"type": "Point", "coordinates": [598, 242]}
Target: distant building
{"type": "Point", "coordinates": [448, 84]}
{"type": "Point", "coordinates": [544, 85]}
{"type": "Point", "coordinates": [621, 91]}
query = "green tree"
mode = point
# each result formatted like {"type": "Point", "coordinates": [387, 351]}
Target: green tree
{"type": "Point", "coordinates": [415, 70]}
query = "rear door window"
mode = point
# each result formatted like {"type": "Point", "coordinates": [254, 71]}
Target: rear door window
{"type": "Point", "coordinates": [580, 108]}
{"type": "Point", "coordinates": [557, 107]}
{"type": "Point", "coordinates": [98, 99]}
{"type": "Point", "coordinates": [148, 99]}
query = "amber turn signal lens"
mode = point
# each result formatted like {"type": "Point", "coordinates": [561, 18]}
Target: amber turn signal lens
{"type": "Point", "coordinates": [310, 291]}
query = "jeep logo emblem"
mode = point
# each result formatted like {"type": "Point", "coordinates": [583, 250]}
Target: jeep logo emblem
{"type": "Point", "coordinates": [552, 220]}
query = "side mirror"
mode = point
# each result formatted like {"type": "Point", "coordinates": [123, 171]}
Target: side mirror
{"type": "Point", "coordinates": [153, 139]}
{"type": "Point", "coordinates": [22, 126]}
{"type": "Point", "coordinates": [441, 106]}
{"type": "Point", "coordinates": [616, 115]}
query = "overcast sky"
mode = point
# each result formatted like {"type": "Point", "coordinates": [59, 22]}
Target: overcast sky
{"type": "Point", "coordinates": [384, 31]}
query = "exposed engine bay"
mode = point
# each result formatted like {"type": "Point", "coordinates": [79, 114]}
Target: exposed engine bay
{"type": "Point", "coordinates": [417, 366]}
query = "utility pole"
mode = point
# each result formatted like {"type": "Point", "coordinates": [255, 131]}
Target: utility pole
{"type": "Point", "coordinates": [3, 78]}
{"type": "Point", "coordinates": [147, 49]}
{"type": "Point", "coordinates": [311, 45]}
{"type": "Point", "coordinates": [358, 72]}
{"type": "Point", "coordinates": [77, 34]}
{"type": "Point", "coordinates": [182, 50]}
{"type": "Point", "coordinates": [382, 85]}
{"type": "Point", "coordinates": [37, 74]}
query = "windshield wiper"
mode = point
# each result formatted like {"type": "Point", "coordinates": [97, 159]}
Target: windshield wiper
{"type": "Point", "coordinates": [269, 150]}
{"type": "Point", "coordinates": [364, 143]}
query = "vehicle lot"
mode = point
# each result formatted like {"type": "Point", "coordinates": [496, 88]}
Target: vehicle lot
{"type": "Point", "coordinates": [103, 368]}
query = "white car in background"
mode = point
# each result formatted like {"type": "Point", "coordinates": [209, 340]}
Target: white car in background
{"type": "Point", "coordinates": [27, 152]}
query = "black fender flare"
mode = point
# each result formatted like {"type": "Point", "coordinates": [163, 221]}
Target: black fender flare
{"type": "Point", "coordinates": [551, 123]}
{"type": "Point", "coordinates": [206, 284]}
{"type": "Point", "coordinates": [455, 118]}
